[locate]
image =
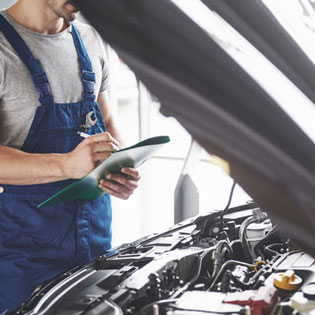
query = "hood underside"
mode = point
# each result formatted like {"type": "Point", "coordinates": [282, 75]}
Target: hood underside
{"type": "Point", "coordinates": [218, 102]}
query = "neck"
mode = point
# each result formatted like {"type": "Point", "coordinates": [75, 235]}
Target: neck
{"type": "Point", "coordinates": [37, 16]}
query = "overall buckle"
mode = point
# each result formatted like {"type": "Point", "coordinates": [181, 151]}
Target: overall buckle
{"type": "Point", "coordinates": [41, 82]}
{"type": "Point", "coordinates": [89, 80]}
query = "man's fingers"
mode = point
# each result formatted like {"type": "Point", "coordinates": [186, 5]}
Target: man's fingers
{"type": "Point", "coordinates": [102, 137]}
{"type": "Point", "coordinates": [121, 185]}
{"type": "Point", "coordinates": [89, 153]}
{"type": "Point", "coordinates": [114, 193]}
{"type": "Point", "coordinates": [116, 190]}
{"type": "Point", "coordinates": [121, 188]}
{"type": "Point", "coordinates": [104, 147]}
{"type": "Point", "coordinates": [133, 172]}
{"type": "Point", "coordinates": [100, 157]}
{"type": "Point", "coordinates": [128, 182]}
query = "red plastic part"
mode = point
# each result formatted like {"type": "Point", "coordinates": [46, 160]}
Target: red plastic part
{"type": "Point", "coordinates": [261, 301]}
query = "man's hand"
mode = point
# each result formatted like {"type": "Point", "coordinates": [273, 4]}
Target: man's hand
{"type": "Point", "coordinates": [121, 185]}
{"type": "Point", "coordinates": [89, 153]}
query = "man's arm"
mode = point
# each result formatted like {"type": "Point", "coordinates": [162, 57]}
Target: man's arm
{"type": "Point", "coordinates": [20, 168]}
{"type": "Point", "coordinates": [121, 186]}
{"type": "Point", "coordinates": [109, 119]}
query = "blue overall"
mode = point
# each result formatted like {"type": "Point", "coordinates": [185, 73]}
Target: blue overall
{"type": "Point", "coordinates": [39, 244]}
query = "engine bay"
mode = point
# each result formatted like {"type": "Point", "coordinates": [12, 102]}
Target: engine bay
{"type": "Point", "coordinates": [228, 262]}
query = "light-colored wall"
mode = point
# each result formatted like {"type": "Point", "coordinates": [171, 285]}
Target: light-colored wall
{"type": "Point", "coordinates": [6, 3]}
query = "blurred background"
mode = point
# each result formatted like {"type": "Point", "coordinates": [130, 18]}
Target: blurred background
{"type": "Point", "coordinates": [151, 208]}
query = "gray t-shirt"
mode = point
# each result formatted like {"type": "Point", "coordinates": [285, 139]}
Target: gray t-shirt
{"type": "Point", "coordinates": [58, 57]}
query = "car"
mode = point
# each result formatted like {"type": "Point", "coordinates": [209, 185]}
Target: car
{"type": "Point", "coordinates": [232, 261]}
{"type": "Point", "coordinates": [240, 85]}
{"type": "Point", "coordinates": [243, 87]}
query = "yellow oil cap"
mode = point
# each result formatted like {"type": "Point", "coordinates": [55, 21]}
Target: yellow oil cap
{"type": "Point", "coordinates": [287, 281]}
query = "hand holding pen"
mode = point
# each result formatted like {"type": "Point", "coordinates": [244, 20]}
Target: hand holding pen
{"type": "Point", "coordinates": [83, 134]}
{"type": "Point", "coordinates": [93, 150]}
{"type": "Point", "coordinates": [118, 185]}
{"type": "Point", "coordinates": [86, 135]}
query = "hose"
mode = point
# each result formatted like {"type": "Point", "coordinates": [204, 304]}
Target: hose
{"type": "Point", "coordinates": [267, 239]}
{"type": "Point", "coordinates": [218, 254]}
{"type": "Point", "coordinates": [242, 235]}
{"type": "Point", "coordinates": [258, 217]}
{"type": "Point", "coordinates": [195, 277]}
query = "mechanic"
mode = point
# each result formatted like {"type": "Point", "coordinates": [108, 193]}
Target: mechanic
{"type": "Point", "coordinates": [52, 72]}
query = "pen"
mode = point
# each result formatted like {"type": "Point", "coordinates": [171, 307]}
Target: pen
{"type": "Point", "coordinates": [83, 134]}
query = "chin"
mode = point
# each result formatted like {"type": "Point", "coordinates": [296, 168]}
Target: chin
{"type": "Point", "coordinates": [70, 17]}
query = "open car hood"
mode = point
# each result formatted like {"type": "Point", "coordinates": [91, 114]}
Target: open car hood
{"type": "Point", "coordinates": [218, 102]}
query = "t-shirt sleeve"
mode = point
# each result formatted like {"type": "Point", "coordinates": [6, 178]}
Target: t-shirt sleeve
{"type": "Point", "coordinates": [104, 63]}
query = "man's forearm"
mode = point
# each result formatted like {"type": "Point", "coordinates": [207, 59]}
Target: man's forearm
{"type": "Point", "coordinates": [20, 168]}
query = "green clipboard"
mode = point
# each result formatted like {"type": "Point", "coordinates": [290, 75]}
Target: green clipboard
{"type": "Point", "coordinates": [87, 187]}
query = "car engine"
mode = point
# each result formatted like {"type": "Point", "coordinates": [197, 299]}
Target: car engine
{"type": "Point", "coordinates": [228, 262]}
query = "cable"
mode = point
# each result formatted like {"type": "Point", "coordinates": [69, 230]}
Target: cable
{"type": "Point", "coordinates": [226, 264]}
{"type": "Point", "coordinates": [227, 206]}
{"type": "Point", "coordinates": [196, 276]}
{"type": "Point", "coordinates": [273, 233]}
{"type": "Point", "coordinates": [218, 255]}
{"type": "Point", "coordinates": [271, 251]}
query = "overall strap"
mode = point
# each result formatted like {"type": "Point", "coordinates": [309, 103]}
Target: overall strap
{"type": "Point", "coordinates": [88, 76]}
{"type": "Point", "coordinates": [33, 65]}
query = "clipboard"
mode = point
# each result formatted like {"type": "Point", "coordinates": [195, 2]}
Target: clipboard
{"type": "Point", "coordinates": [87, 187]}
